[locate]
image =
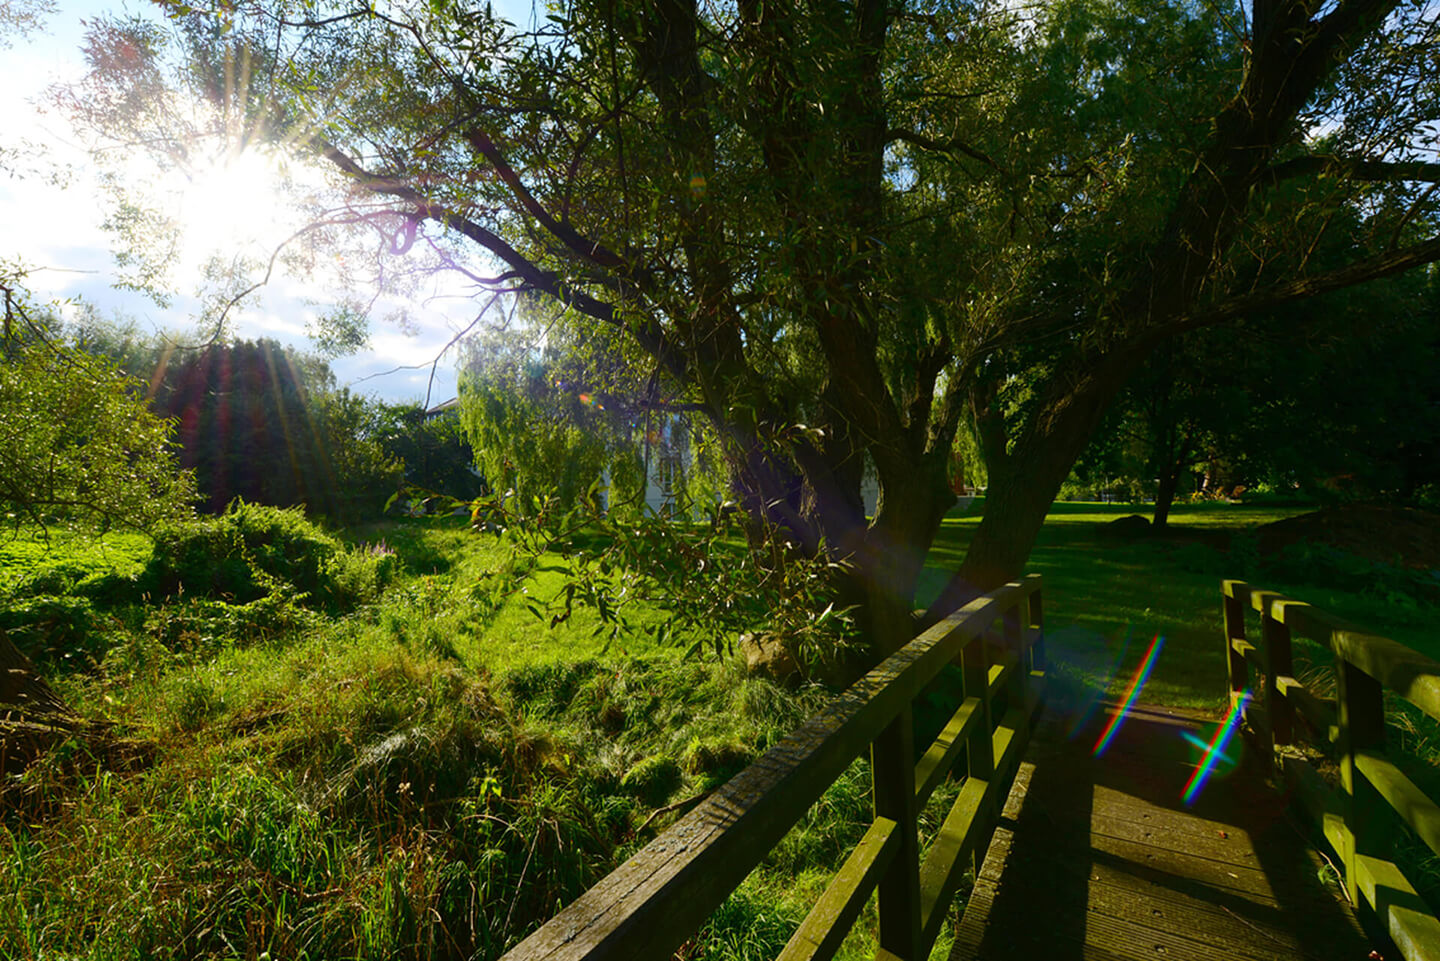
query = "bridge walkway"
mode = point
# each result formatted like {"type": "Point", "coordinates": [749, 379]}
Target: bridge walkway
{"type": "Point", "coordinates": [1099, 858]}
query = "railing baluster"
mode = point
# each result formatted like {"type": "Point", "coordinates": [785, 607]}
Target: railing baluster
{"type": "Point", "coordinates": [1238, 672]}
{"type": "Point", "coordinates": [1278, 663]}
{"type": "Point", "coordinates": [1014, 641]}
{"type": "Point", "coordinates": [980, 752]}
{"type": "Point", "coordinates": [1362, 727]}
{"type": "Point", "coordinates": [892, 766]}
{"type": "Point", "coordinates": [1037, 624]}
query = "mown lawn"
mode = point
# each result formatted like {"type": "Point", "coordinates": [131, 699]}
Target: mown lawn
{"type": "Point", "coordinates": [1107, 597]}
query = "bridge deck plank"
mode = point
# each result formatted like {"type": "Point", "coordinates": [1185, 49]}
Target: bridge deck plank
{"type": "Point", "coordinates": [1098, 858]}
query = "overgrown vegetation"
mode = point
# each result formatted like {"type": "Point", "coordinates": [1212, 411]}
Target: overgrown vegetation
{"type": "Point", "coordinates": [414, 766]}
{"type": "Point", "coordinates": [424, 767]}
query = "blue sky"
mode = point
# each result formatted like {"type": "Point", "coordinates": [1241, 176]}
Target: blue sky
{"type": "Point", "coordinates": [55, 228]}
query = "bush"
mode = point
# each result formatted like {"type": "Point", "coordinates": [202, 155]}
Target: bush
{"type": "Point", "coordinates": [252, 551]}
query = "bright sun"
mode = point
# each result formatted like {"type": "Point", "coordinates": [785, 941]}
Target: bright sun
{"type": "Point", "coordinates": [231, 205]}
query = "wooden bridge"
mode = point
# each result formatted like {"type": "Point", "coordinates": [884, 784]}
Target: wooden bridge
{"type": "Point", "coordinates": [1083, 837]}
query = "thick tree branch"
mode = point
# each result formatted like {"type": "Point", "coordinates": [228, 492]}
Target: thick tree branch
{"type": "Point", "coordinates": [951, 146]}
{"type": "Point", "coordinates": [589, 250]}
{"type": "Point", "coordinates": [1324, 165]}
{"type": "Point", "coordinates": [1372, 268]}
{"type": "Point", "coordinates": [648, 333]}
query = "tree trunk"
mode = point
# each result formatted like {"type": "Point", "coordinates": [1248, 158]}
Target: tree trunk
{"type": "Point", "coordinates": [1165, 495]}
{"type": "Point", "coordinates": [1026, 475]}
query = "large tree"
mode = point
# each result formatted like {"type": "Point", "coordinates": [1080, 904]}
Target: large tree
{"type": "Point", "coordinates": [842, 228]}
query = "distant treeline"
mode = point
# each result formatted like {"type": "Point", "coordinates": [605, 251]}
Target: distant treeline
{"type": "Point", "coordinates": [264, 422]}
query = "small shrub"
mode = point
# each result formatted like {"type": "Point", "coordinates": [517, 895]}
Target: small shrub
{"type": "Point", "coordinates": [653, 779]}
{"type": "Point", "coordinates": [713, 761]}
{"type": "Point", "coordinates": [357, 577]}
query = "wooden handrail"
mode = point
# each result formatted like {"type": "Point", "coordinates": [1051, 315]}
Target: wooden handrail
{"type": "Point", "coordinates": [1358, 818]}
{"type": "Point", "coordinates": [651, 904]}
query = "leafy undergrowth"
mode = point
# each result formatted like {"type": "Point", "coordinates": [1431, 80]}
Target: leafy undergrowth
{"type": "Point", "coordinates": [421, 769]}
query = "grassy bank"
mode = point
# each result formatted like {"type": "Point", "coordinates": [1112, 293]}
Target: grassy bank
{"type": "Point", "coordinates": [427, 772]}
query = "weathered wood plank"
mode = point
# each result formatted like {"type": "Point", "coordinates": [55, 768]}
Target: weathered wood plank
{"type": "Point", "coordinates": [1137, 934]}
{"type": "Point", "coordinates": [1233, 612]}
{"type": "Point", "coordinates": [1104, 852]}
{"type": "Point", "coordinates": [962, 832]}
{"type": "Point", "coordinates": [1278, 661]}
{"type": "Point", "coordinates": [1001, 673]}
{"type": "Point", "coordinates": [824, 928]}
{"type": "Point", "coordinates": [1166, 890]}
{"type": "Point", "coordinates": [1412, 804]}
{"type": "Point", "coordinates": [893, 788]}
{"type": "Point", "coordinates": [947, 747]}
{"type": "Point", "coordinates": [971, 820]}
{"type": "Point", "coordinates": [1408, 919]}
{"type": "Point", "coordinates": [1403, 670]}
{"type": "Point", "coordinates": [1319, 713]}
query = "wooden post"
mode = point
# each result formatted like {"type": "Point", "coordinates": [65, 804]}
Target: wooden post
{"type": "Point", "coordinates": [892, 766]}
{"type": "Point", "coordinates": [1037, 623]}
{"type": "Point", "coordinates": [1278, 663]}
{"type": "Point", "coordinates": [1238, 672]}
{"type": "Point", "coordinates": [980, 750]}
{"type": "Point", "coordinates": [1362, 728]}
{"type": "Point", "coordinates": [1014, 641]}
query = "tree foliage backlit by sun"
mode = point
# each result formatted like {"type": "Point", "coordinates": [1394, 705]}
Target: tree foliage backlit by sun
{"type": "Point", "coordinates": [77, 442]}
{"type": "Point", "coordinates": [844, 231]}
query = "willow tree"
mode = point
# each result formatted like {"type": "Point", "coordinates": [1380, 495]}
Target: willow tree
{"type": "Point", "coordinates": [844, 230]}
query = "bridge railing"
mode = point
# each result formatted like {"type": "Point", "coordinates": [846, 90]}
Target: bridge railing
{"type": "Point", "coordinates": [662, 896]}
{"type": "Point", "coordinates": [1359, 816]}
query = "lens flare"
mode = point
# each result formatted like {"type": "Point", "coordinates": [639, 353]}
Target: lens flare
{"type": "Point", "coordinates": [1204, 746]}
{"type": "Point", "coordinates": [1142, 674]}
{"type": "Point", "coordinates": [1215, 749]}
{"type": "Point", "coordinates": [1094, 698]}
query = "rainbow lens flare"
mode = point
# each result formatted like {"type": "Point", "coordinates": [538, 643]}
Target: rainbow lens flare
{"type": "Point", "coordinates": [1085, 712]}
{"type": "Point", "coordinates": [1215, 749]}
{"type": "Point", "coordinates": [1204, 746]}
{"type": "Point", "coordinates": [1142, 674]}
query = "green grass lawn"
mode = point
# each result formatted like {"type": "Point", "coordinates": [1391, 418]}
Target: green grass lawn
{"type": "Point", "coordinates": [1106, 598]}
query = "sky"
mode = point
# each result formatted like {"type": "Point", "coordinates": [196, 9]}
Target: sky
{"type": "Point", "coordinates": [55, 229]}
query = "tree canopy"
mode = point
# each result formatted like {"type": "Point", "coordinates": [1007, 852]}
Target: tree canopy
{"type": "Point", "coordinates": [841, 230]}
{"type": "Point", "coordinates": [77, 442]}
